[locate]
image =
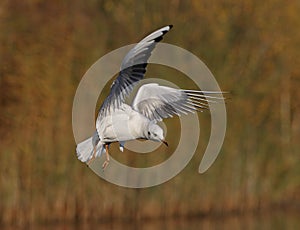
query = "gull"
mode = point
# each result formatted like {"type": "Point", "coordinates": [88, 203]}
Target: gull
{"type": "Point", "coordinates": [121, 122]}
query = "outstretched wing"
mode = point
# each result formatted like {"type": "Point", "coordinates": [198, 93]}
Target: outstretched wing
{"type": "Point", "coordinates": [133, 69]}
{"type": "Point", "coordinates": [157, 102]}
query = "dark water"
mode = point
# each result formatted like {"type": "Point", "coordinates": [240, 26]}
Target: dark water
{"type": "Point", "coordinates": [272, 221]}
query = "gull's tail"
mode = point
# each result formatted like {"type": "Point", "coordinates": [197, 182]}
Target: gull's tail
{"type": "Point", "coordinates": [85, 149]}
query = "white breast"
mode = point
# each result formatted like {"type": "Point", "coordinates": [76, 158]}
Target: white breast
{"type": "Point", "coordinates": [123, 125]}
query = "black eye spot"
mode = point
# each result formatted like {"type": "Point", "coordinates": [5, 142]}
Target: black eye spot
{"type": "Point", "coordinates": [149, 133]}
{"type": "Point", "coordinates": [155, 134]}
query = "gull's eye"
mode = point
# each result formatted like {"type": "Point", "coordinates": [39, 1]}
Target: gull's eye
{"type": "Point", "coordinates": [149, 133]}
{"type": "Point", "coordinates": [155, 134]}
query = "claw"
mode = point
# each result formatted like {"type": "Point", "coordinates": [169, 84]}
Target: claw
{"type": "Point", "coordinates": [93, 157]}
{"type": "Point", "coordinates": [106, 162]}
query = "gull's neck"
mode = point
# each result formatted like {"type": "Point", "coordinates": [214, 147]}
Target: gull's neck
{"type": "Point", "coordinates": [140, 125]}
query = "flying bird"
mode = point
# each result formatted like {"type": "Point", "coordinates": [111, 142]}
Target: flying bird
{"type": "Point", "coordinates": [121, 122]}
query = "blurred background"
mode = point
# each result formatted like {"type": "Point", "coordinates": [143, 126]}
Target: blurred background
{"type": "Point", "coordinates": [252, 48]}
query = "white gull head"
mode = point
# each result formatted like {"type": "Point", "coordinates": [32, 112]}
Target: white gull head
{"type": "Point", "coordinates": [155, 133]}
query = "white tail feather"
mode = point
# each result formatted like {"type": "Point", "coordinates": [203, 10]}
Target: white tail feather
{"type": "Point", "coordinates": [85, 150]}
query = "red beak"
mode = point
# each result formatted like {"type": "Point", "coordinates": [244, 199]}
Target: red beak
{"type": "Point", "coordinates": [166, 143]}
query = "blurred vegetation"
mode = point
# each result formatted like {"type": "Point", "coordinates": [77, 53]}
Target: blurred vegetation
{"type": "Point", "coordinates": [252, 47]}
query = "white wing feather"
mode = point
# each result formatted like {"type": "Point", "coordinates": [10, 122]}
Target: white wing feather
{"type": "Point", "coordinates": [157, 102]}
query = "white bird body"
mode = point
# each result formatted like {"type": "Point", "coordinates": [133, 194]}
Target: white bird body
{"type": "Point", "coordinates": [124, 124]}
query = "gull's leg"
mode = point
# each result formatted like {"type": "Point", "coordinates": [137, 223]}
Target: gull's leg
{"type": "Point", "coordinates": [106, 162]}
{"type": "Point", "coordinates": [93, 157]}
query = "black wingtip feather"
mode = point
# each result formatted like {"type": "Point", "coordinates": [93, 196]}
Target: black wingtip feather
{"type": "Point", "coordinates": [158, 39]}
